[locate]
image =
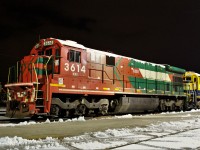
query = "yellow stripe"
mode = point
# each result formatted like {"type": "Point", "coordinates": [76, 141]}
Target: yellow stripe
{"type": "Point", "coordinates": [106, 88]}
{"type": "Point", "coordinates": [117, 89]}
{"type": "Point", "coordinates": [58, 85]}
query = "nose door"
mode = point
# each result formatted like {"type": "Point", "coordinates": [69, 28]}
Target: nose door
{"type": "Point", "coordinates": [195, 85]}
{"type": "Point", "coordinates": [57, 61]}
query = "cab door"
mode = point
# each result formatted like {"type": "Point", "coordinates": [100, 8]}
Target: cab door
{"type": "Point", "coordinates": [195, 85]}
{"type": "Point", "coordinates": [54, 62]}
{"type": "Point", "coordinates": [57, 61]}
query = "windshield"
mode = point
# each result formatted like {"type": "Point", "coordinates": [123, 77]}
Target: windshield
{"type": "Point", "coordinates": [187, 79]}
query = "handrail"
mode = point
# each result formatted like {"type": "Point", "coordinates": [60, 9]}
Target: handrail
{"type": "Point", "coordinates": [171, 90]}
{"type": "Point", "coordinates": [49, 57]}
{"type": "Point", "coordinates": [101, 71]}
{"type": "Point", "coordinates": [17, 71]}
{"type": "Point", "coordinates": [36, 80]}
{"type": "Point", "coordinates": [8, 75]}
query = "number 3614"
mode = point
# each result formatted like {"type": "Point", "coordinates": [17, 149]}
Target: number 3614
{"type": "Point", "coordinates": [74, 68]}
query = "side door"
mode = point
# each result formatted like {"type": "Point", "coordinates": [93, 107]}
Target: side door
{"type": "Point", "coordinates": [54, 62]}
{"type": "Point", "coordinates": [57, 61]}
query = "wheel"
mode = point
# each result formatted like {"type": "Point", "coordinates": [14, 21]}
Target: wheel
{"type": "Point", "coordinates": [113, 104]}
{"type": "Point", "coordinates": [80, 110]}
{"type": "Point", "coordinates": [173, 107]}
{"type": "Point", "coordinates": [55, 110]}
{"type": "Point", "coordinates": [162, 107]}
{"type": "Point", "coordinates": [181, 108]}
{"type": "Point", "coordinates": [103, 109]}
{"type": "Point", "coordinates": [34, 117]}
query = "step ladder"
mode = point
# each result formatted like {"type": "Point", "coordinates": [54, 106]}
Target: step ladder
{"type": "Point", "coordinates": [39, 94]}
{"type": "Point", "coordinates": [39, 100]}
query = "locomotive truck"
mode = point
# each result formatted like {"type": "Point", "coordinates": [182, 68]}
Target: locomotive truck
{"type": "Point", "coordinates": [64, 78]}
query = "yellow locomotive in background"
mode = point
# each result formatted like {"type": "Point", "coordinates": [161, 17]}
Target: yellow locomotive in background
{"type": "Point", "coordinates": [3, 96]}
{"type": "Point", "coordinates": [191, 82]}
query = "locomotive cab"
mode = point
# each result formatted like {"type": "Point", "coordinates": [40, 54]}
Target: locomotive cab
{"type": "Point", "coordinates": [49, 50]}
{"type": "Point", "coordinates": [192, 88]}
{"type": "Point", "coordinates": [32, 76]}
{"type": "Point", "coordinates": [53, 66]}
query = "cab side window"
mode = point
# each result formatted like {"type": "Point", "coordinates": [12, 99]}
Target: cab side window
{"type": "Point", "coordinates": [41, 53]}
{"type": "Point", "coordinates": [110, 60]}
{"type": "Point", "coordinates": [49, 52]}
{"type": "Point", "coordinates": [74, 56]}
{"type": "Point", "coordinates": [57, 53]}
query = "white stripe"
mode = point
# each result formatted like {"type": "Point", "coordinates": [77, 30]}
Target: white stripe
{"type": "Point", "coordinates": [82, 91]}
{"type": "Point", "coordinates": [153, 75]}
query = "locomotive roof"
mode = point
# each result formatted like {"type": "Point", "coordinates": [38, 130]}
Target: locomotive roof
{"type": "Point", "coordinates": [71, 43]}
{"type": "Point", "coordinates": [190, 73]}
{"type": "Point", "coordinates": [75, 44]}
{"type": "Point", "coordinates": [116, 55]}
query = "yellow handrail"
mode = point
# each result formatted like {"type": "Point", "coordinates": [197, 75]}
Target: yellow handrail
{"type": "Point", "coordinates": [36, 81]}
{"type": "Point", "coordinates": [49, 57]}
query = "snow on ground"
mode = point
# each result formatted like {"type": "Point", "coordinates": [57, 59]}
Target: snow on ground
{"type": "Point", "coordinates": [185, 140]}
{"type": "Point", "coordinates": [20, 143]}
{"type": "Point", "coordinates": [47, 121]}
{"type": "Point", "coordinates": [184, 134]}
{"type": "Point", "coordinates": [157, 134]}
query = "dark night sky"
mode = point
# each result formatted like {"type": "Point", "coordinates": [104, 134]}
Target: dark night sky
{"type": "Point", "coordinates": [164, 32]}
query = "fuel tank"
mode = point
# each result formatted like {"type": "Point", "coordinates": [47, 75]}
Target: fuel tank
{"type": "Point", "coordinates": [136, 104]}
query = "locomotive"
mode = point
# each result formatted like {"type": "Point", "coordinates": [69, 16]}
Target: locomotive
{"type": "Point", "coordinates": [192, 88]}
{"type": "Point", "coordinates": [64, 78]}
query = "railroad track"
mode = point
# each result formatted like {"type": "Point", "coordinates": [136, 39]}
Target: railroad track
{"type": "Point", "coordinates": [43, 119]}
{"type": "Point", "coordinates": [5, 120]}
{"type": "Point", "coordinates": [13, 120]}
{"type": "Point", "coordinates": [2, 111]}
